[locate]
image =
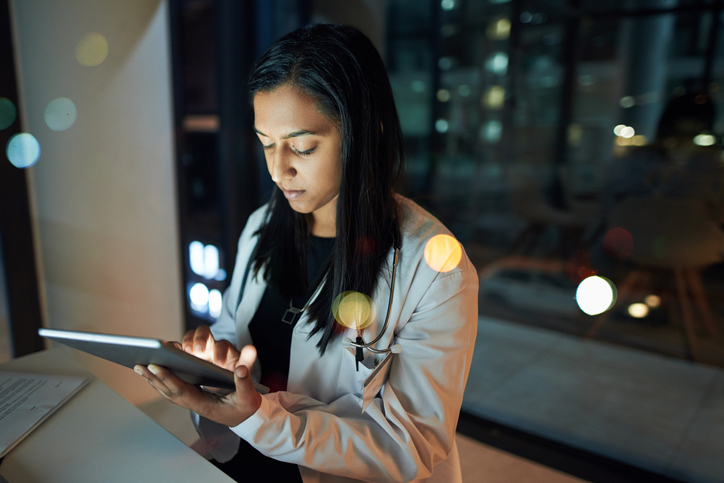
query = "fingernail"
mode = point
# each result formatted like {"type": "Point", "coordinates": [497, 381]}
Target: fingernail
{"type": "Point", "coordinates": [239, 373]}
{"type": "Point", "coordinates": [138, 371]}
{"type": "Point", "coordinates": [153, 369]}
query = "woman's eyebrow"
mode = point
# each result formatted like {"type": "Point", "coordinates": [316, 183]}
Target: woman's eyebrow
{"type": "Point", "coordinates": [294, 134]}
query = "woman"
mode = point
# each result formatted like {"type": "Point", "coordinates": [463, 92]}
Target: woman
{"type": "Point", "coordinates": [325, 114]}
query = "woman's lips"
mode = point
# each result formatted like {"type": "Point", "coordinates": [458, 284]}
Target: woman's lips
{"type": "Point", "coordinates": [292, 194]}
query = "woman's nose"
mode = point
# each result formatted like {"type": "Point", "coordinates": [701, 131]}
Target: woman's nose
{"type": "Point", "coordinates": [280, 167]}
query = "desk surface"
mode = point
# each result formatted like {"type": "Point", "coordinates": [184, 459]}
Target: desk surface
{"type": "Point", "coordinates": [98, 436]}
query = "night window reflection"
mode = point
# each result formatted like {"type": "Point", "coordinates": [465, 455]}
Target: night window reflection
{"type": "Point", "coordinates": [575, 148]}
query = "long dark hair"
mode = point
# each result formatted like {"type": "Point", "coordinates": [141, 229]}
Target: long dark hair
{"type": "Point", "coordinates": [341, 69]}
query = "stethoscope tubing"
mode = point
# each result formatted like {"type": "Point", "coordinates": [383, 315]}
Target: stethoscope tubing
{"type": "Point", "coordinates": [368, 345]}
{"type": "Point", "coordinates": [395, 349]}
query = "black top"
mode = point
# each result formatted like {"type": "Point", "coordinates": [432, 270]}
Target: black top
{"type": "Point", "coordinates": [272, 325]}
{"type": "Point", "coordinates": [271, 332]}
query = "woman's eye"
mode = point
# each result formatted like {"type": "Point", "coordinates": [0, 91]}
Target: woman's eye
{"type": "Point", "coordinates": [304, 153]}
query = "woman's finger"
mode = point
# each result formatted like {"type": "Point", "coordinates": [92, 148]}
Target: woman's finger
{"type": "Point", "coordinates": [173, 388]}
{"type": "Point", "coordinates": [225, 354]}
{"type": "Point", "coordinates": [149, 373]}
{"type": "Point", "coordinates": [188, 340]}
{"type": "Point", "coordinates": [203, 342]}
{"type": "Point", "coordinates": [174, 344]}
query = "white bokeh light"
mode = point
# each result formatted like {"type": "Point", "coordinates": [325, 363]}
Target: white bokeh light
{"type": "Point", "coordinates": [215, 303]}
{"type": "Point", "coordinates": [595, 295]}
{"type": "Point", "coordinates": [211, 261]}
{"type": "Point", "coordinates": [199, 296]}
{"type": "Point", "coordinates": [704, 140]}
{"type": "Point", "coordinates": [196, 257]}
{"type": "Point", "coordinates": [204, 261]}
{"type": "Point", "coordinates": [498, 63]}
{"type": "Point", "coordinates": [638, 310]}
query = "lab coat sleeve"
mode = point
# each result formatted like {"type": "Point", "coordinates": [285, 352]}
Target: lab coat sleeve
{"type": "Point", "coordinates": [222, 443]}
{"type": "Point", "coordinates": [405, 433]}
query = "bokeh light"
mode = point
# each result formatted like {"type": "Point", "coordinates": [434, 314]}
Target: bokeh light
{"type": "Point", "coordinates": [443, 253]}
{"type": "Point", "coordinates": [199, 296]}
{"type": "Point", "coordinates": [638, 310]}
{"type": "Point", "coordinates": [443, 95]}
{"type": "Point", "coordinates": [704, 140]}
{"type": "Point", "coordinates": [8, 113]}
{"type": "Point", "coordinates": [196, 257]}
{"type": "Point", "coordinates": [204, 261]}
{"type": "Point", "coordinates": [618, 243]}
{"type": "Point", "coordinates": [627, 101]}
{"type": "Point", "coordinates": [215, 303]}
{"type": "Point", "coordinates": [627, 132]}
{"type": "Point", "coordinates": [595, 295]}
{"type": "Point", "coordinates": [23, 150]}
{"type": "Point", "coordinates": [60, 114]}
{"type": "Point", "coordinates": [635, 140]}
{"type": "Point", "coordinates": [92, 49]}
{"type": "Point", "coordinates": [353, 310]}
{"type": "Point", "coordinates": [445, 63]}
{"type": "Point", "coordinates": [499, 30]}
{"type": "Point", "coordinates": [492, 131]}
{"type": "Point", "coordinates": [575, 134]}
{"type": "Point", "coordinates": [494, 97]}
{"type": "Point", "coordinates": [498, 63]}
{"type": "Point", "coordinates": [418, 86]}
{"type": "Point", "coordinates": [653, 301]}
{"type": "Point", "coordinates": [441, 126]}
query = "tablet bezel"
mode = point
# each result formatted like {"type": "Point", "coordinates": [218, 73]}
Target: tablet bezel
{"type": "Point", "coordinates": [129, 351]}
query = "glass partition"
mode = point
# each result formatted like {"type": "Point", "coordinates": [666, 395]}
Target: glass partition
{"type": "Point", "coordinates": [574, 148]}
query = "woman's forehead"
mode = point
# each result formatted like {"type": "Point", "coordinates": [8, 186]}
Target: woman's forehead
{"type": "Point", "coordinates": [287, 110]}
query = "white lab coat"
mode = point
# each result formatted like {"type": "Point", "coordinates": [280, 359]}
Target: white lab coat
{"type": "Point", "coordinates": [407, 433]}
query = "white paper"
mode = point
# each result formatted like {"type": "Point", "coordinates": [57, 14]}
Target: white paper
{"type": "Point", "coordinates": [27, 399]}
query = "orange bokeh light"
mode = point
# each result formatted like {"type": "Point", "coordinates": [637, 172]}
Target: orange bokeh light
{"type": "Point", "coordinates": [443, 253]}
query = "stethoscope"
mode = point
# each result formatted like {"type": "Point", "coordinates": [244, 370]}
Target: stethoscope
{"type": "Point", "coordinates": [359, 343]}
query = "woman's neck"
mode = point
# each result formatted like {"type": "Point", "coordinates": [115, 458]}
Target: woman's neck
{"type": "Point", "coordinates": [323, 222]}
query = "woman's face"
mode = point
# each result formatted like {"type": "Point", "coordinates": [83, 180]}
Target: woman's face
{"type": "Point", "coordinates": [303, 153]}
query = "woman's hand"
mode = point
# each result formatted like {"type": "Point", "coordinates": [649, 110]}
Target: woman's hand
{"type": "Point", "coordinates": [231, 409]}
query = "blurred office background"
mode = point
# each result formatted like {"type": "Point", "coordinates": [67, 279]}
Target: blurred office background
{"type": "Point", "coordinates": [573, 147]}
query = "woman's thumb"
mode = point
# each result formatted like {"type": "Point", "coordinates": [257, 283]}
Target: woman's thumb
{"type": "Point", "coordinates": [248, 356]}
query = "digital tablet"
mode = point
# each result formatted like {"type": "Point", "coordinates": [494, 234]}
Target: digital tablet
{"type": "Point", "coordinates": [129, 351]}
